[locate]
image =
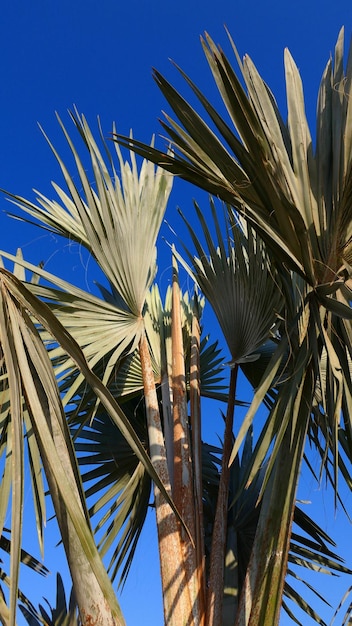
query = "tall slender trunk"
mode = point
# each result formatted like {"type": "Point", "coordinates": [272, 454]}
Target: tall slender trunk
{"type": "Point", "coordinates": [195, 411]}
{"type": "Point", "coordinates": [183, 486]}
{"type": "Point", "coordinates": [217, 556]}
{"type": "Point", "coordinates": [177, 603]}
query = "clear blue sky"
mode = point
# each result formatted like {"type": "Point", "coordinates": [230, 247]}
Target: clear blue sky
{"type": "Point", "coordinates": [98, 55]}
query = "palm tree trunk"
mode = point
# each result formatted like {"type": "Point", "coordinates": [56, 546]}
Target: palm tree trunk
{"type": "Point", "coordinates": [195, 411]}
{"type": "Point", "coordinates": [176, 598]}
{"type": "Point", "coordinates": [217, 557]}
{"type": "Point", "coordinates": [183, 485]}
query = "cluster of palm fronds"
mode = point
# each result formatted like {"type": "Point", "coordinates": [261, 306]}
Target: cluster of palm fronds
{"type": "Point", "coordinates": [105, 380]}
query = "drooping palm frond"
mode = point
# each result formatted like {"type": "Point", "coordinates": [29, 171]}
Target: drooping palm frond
{"type": "Point", "coordinates": [118, 486]}
{"type": "Point", "coordinates": [26, 366]}
{"type": "Point", "coordinates": [32, 401]}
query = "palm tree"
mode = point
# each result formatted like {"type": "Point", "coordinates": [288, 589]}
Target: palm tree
{"type": "Point", "coordinates": [128, 345]}
{"type": "Point", "coordinates": [298, 201]}
{"type": "Point", "coordinates": [27, 559]}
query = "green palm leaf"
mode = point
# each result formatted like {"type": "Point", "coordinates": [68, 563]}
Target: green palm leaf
{"type": "Point", "coordinates": [295, 198]}
{"type": "Point", "coordinates": [110, 219]}
{"type": "Point", "coordinates": [239, 283]}
{"type": "Point", "coordinates": [27, 373]}
{"type": "Point", "coordinates": [119, 486]}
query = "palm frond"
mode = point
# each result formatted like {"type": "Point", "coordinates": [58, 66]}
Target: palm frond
{"type": "Point", "coordinates": [119, 487]}
{"type": "Point", "coordinates": [239, 283]}
{"type": "Point", "coordinates": [110, 218]}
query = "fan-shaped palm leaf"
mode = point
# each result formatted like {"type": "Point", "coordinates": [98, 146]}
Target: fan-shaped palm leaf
{"type": "Point", "coordinates": [236, 278]}
{"type": "Point", "coordinates": [239, 283]}
{"type": "Point", "coordinates": [119, 486]}
{"type": "Point", "coordinates": [117, 219]}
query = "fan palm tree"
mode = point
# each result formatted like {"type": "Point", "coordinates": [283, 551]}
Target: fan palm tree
{"type": "Point", "coordinates": [150, 356]}
{"type": "Point", "coordinates": [298, 200]}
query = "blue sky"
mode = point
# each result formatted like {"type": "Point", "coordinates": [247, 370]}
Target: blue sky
{"type": "Point", "coordinates": [98, 55]}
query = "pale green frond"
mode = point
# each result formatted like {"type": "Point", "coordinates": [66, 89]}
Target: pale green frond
{"type": "Point", "coordinates": [236, 278]}
{"type": "Point", "coordinates": [298, 200]}
{"type": "Point", "coordinates": [104, 331]}
{"type": "Point", "coordinates": [25, 359]}
{"type": "Point", "coordinates": [117, 218]}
